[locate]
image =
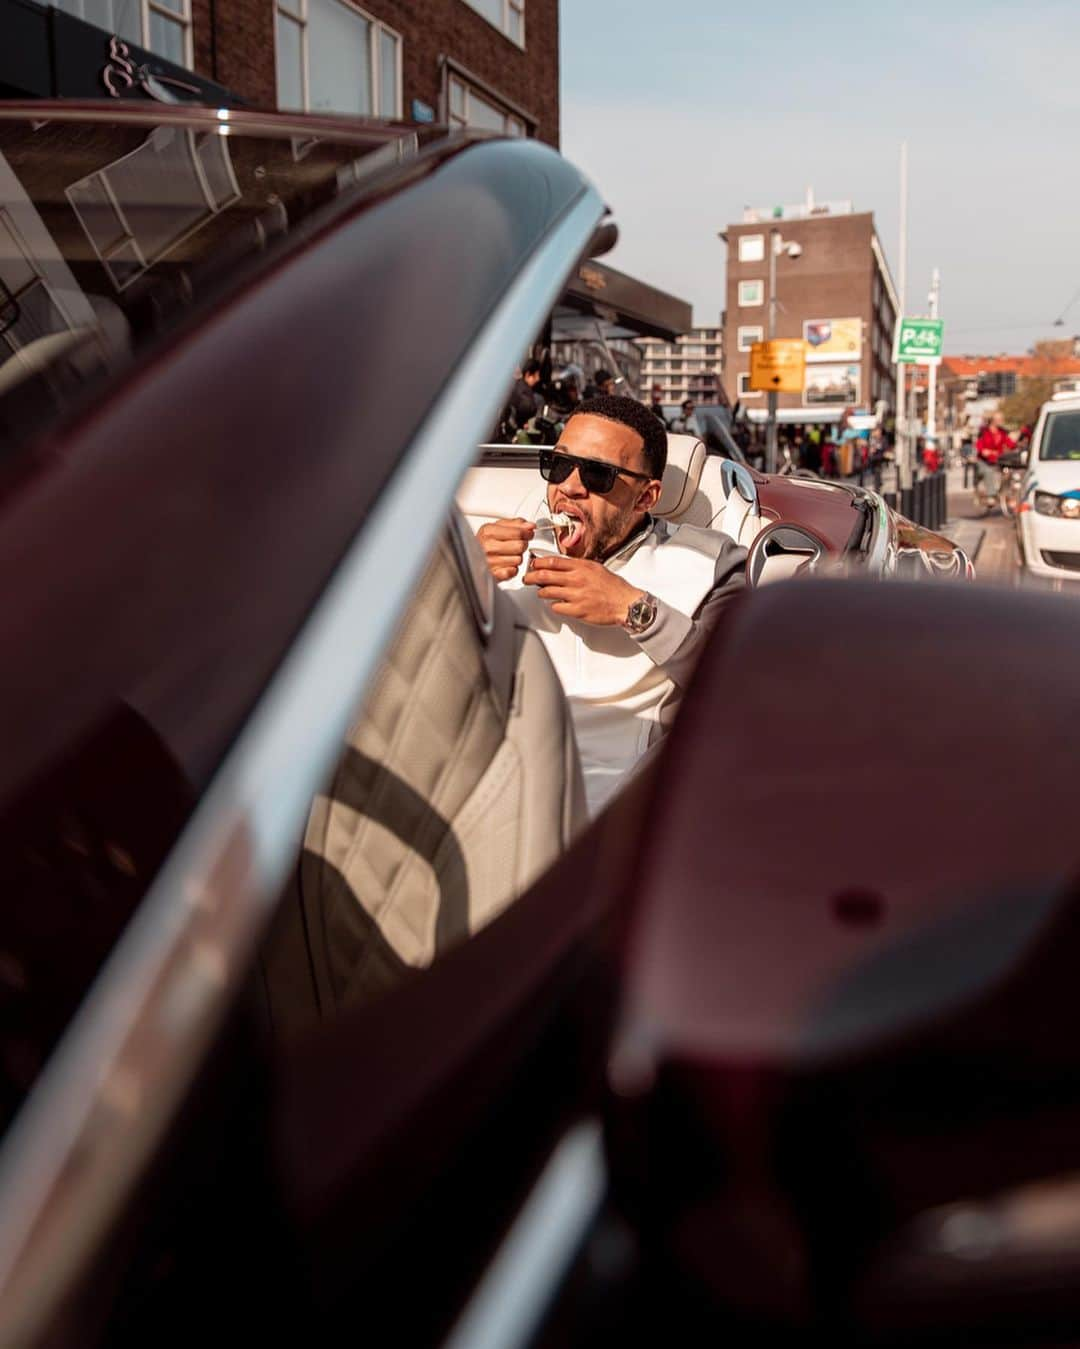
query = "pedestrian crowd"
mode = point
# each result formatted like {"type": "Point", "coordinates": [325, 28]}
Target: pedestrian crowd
{"type": "Point", "coordinates": [543, 398]}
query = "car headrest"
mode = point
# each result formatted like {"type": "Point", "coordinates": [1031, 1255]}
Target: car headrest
{"type": "Point", "coordinates": [685, 460]}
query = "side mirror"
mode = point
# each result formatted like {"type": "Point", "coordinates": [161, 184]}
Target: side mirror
{"type": "Point", "coordinates": [781, 551]}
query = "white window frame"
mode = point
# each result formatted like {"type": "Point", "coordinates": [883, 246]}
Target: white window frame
{"type": "Point", "coordinates": [128, 242]}
{"type": "Point", "coordinates": [740, 389]}
{"type": "Point", "coordinates": [755, 254]}
{"type": "Point", "coordinates": [743, 342]}
{"type": "Point", "coordinates": [183, 19]}
{"type": "Point", "coordinates": [470, 90]}
{"type": "Point", "coordinates": [751, 304]}
{"type": "Point", "coordinates": [298, 14]}
{"type": "Point", "coordinates": [509, 7]}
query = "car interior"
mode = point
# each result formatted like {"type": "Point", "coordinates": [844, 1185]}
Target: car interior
{"type": "Point", "coordinates": [459, 785]}
{"type": "Point", "coordinates": [460, 782]}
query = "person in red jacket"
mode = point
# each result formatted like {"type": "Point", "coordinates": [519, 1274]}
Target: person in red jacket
{"type": "Point", "coordinates": [993, 442]}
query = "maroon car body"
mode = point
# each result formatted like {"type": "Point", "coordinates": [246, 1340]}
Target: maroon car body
{"type": "Point", "coordinates": [781, 1047]}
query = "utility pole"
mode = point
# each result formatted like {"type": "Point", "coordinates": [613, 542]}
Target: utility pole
{"type": "Point", "coordinates": [770, 434]}
{"type": "Point", "coordinates": [931, 406]}
{"type": "Point", "coordinates": [901, 409]}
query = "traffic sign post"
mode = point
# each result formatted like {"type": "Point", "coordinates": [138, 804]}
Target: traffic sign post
{"type": "Point", "coordinates": [918, 341]}
{"type": "Point", "coordinates": [778, 366]}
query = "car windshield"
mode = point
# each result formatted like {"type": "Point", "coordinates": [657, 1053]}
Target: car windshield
{"type": "Point", "coordinates": [111, 232]}
{"type": "Point", "coordinates": [1061, 437]}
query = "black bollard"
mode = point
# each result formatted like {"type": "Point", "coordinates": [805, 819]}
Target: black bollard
{"type": "Point", "coordinates": [906, 503]}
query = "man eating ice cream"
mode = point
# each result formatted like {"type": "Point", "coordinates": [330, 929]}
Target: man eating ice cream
{"type": "Point", "coordinates": [625, 604]}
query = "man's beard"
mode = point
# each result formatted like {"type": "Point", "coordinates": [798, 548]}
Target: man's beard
{"type": "Point", "coordinates": [613, 536]}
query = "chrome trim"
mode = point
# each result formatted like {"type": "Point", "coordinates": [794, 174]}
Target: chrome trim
{"type": "Point", "coordinates": [241, 121]}
{"type": "Point", "coordinates": [733, 474]}
{"type": "Point", "coordinates": [111, 1089]}
{"type": "Point", "coordinates": [879, 560]}
{"type": "Point", "coordinates": [475, 574]}
{"type": "Point", "coordinates": [524, 456]}
{"type": "Point", "coordinates": [506, 1310]}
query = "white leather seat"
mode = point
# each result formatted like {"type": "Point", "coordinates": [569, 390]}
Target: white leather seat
{"type": "Point", "coordinates": [459, 785]}
{"type": "Point", "coordinates": [693, 492]}
{"type": "Point", "coordinates": [682, 478]}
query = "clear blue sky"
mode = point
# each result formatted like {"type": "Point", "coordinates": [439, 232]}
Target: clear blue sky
{"type": "Point", "coordinates": [684, 113]}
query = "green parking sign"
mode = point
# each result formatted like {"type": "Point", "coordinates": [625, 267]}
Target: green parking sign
{"type": "Point", "coordinates": [918, 341]}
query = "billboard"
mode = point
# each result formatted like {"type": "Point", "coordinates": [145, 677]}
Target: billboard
{"type": "Point", "coordinates": [829, 385]}
{"type": "Point", "coordinates": [833, 339]}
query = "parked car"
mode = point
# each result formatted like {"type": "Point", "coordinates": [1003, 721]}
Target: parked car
{"type": "Point", "coordinates": [1048, 516]}
{"type": "Point", "coordinates": [322, 1003]}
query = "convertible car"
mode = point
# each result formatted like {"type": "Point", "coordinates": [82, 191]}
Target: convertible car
{"type": "Point", "coordinates": [323, 1004]}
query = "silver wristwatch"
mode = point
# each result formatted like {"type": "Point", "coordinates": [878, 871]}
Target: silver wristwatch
{"type": "Point", "coordinates": [641, 615]}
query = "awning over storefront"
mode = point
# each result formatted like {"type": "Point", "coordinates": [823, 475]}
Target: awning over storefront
{"type": "Point", "coordinates": [45, 53]}
{"type": "Point", "coordinates": [798, 416]}
{"type": "Point", "coordinates": [624, 306]}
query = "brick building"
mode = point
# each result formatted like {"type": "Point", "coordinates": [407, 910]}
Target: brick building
{"type": "Point", "coordinates": [837, 295]}
{"type": "Point", "coordinates": [486, 63]}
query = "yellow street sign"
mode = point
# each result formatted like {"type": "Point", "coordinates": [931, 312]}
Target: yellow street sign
{"type": "Point", "coordinates": [778, 366]}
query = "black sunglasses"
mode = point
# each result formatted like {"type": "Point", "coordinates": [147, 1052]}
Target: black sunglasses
{"type": "Point", "coordinates": [597, 476]}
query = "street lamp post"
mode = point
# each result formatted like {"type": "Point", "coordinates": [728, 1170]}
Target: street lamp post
{"type": "Point", "coordinates": [931, 393]}
{"type": "Point", "coordinates": [777, 245]}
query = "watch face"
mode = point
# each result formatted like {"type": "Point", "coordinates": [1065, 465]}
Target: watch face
{"type": "Point", "coordinates": [642, 612]}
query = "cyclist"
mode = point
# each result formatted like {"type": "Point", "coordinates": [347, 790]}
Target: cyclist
{"type": "Point", "coordinates": [993, 442]}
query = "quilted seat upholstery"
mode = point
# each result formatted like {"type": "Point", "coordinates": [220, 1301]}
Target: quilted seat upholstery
{"type": "Point", "coordinates": [458, 785]}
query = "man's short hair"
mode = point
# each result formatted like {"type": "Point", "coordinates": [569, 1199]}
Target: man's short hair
{"type": "Point", "coordinates": [602, 376]}
{"type": "Point", "coordinates": [687, 403]}
{"type": "Point", "coordinates": [629, 412]}
{"type": "Point", "coordinates": [530, 368]}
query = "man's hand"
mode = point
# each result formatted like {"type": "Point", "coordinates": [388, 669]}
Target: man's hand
{"type": "Point", "coordinates": [503, 542]}
{"type": "Point", "coordinates": [582, 589]}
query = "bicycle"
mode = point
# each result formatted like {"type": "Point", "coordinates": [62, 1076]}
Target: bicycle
{"type": "Point", "coordinates": [1008, 493]}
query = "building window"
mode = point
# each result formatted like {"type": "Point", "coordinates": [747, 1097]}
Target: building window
{"type": "Point", "coordinates": [749, 335]}
{"type": "Point", "coordinates": [744, 388]}
{"type": "Point", "coordinates": [468, 107]}
{"type": "Point", "coordinates": [752, 248]}
{"type": "Point", "coordinates": [508, 16]}
{"type": "Point", "coordinates": [161, 26]}
{"type": "Point", "coordinates": [332, 57]}
{"type": "Point", "coordinates": [751, 293]}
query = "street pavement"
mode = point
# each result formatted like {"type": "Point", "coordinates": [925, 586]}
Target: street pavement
{"type": "Point", "coordinates": [989, 540]}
